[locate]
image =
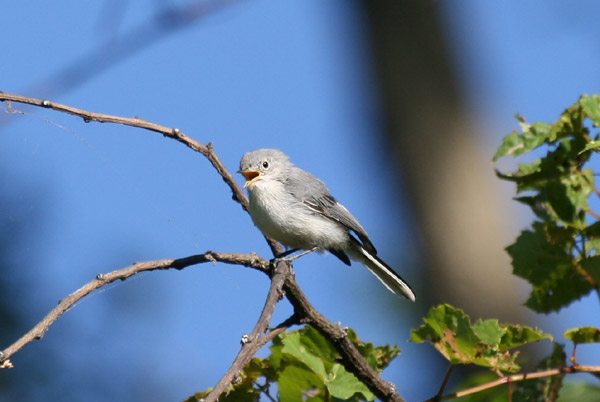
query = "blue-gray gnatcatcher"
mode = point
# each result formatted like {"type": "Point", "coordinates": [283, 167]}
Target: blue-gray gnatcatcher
{"type": "Point", "coordinates": [295, 208]}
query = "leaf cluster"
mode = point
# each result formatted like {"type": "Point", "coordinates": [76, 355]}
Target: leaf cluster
{"type": "Point", "coordinates": [558, 254]}
{"type": "Point", "coordinates": [304, 366]}
{"type": "Point", "coordinates": [484, 343]}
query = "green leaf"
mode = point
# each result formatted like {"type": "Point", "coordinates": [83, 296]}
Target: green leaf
{"type": "Point", "coordinates": [590, 146]}
{"type": "Point", "coordinates": [591, 266]}
{"type": "Point", "coordinates": [450, 331]}
{"type": "Point", "coordinates": [583, 335]}
{"type": "Point", "coordinates": [344, 385]}
{"type": "Point", "coordinates": [532, 136]}
{"type": "Point", "coordinates": [486, 343]}
{"type": "Point", "coordinates": [542, 257]}
{"type": "Point", "coordinates": [591, 107]}
{"type": "Point", "coordinates": [518, 335]}
{"type": "Point", "coordinates": [378, 357]}
{"type": "Point", "coordinates": [555, 193]}
{"type": "Point", "coordinates": [297, 383]}
{"type": "Point", "coordinates": [489, 331]}
{"type": "Point", "coordinates": [307, 349]}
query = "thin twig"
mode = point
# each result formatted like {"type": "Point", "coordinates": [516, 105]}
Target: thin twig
{"type": "Point", "coordinates": [37, 332]}
{"type": "Point", "coordinates": [171, 132]}
{"type": "Point", "coordinates": [445, 381]}
{"type": "Point", "coordinates": [517, 378]}
{"type": "Point", "coordinates": [251, 343]}
{"type": "Point", "coordinates": [594, 215]}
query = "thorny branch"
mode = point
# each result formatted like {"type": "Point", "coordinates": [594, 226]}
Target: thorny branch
{"type": "Point", "coordinates": [303, 310]}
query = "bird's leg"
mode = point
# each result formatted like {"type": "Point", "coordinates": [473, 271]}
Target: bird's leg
{"type": "Point", "coordinates": [286, 253]}
{"type": "Point", "coordinates": [284, 256]}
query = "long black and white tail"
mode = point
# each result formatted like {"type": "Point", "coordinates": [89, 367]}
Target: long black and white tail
{"type": "Point", "coordinates": [382, 271]}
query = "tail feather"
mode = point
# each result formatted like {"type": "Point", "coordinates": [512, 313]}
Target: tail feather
{"type": "Point", "coordinates": [383, 272]}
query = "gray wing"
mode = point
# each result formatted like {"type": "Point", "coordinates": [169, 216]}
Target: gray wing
{"type": "Point", "coordinates": [315, 195]}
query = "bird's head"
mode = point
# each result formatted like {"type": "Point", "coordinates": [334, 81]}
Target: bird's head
{"type": "Point", "coordinates": [263, 164]}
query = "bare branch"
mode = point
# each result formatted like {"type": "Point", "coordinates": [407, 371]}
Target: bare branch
{"type": "Point", "coordinates": [37, 332]}
{"type": "Point", "coordinates": [174, 133]}
{"type": "Point", "coordinates": [254, 341]}
{"type": "Point", "coordinates": [351, 358]}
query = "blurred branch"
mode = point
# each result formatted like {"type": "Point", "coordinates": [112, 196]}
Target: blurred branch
{"type": "Point", "coordinates": [516, 378]}
{"type": "Point", "coordinates": [120, 46]}
{"type": "Point", "coordinates": [303, 310]}
{"type": "Point", "coordinates": [37, 332]}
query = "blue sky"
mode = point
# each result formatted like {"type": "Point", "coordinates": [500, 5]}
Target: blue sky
{"type": "Point", "coordinates": [90, 198]}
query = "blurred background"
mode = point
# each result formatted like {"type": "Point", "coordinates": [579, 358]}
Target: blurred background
{"type": "Point", "coordinates": [397, 106]}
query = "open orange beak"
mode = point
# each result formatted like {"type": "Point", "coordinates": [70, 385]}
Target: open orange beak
{"type": "Point", "coordinates": [250, 176]}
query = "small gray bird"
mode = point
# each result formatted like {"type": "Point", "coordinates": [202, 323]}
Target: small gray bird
{"type": "Point", "coordinates": [296, 209]}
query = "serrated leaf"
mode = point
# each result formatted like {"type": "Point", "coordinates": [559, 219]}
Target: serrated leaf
{"type": "Point", "coordinates": [518, 335]}
{"type": "Point", "coordinates": [378, 357]}
{"type": "Point", "coordinates": [489, 331]}
{"type": "Point", "coordinates": [549, 267]}
{"type": "Point", "coordinates": [308, 349]}
{"type": "Point", "coordinates": [485, 343]}
{"type": "Point", "coordinates": [583, 335]}
{"type": "Point", "coordinates": [590, 146]}
{"type": "Point", "coordinates": [591, 107]}
{"type": "Point", "coordinates": [531, 137]}
{"type": "Point", "coordinates": [450, 331]}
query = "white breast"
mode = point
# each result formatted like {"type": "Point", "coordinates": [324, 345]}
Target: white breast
{"type": "Point", "coordinates": [284, 218]}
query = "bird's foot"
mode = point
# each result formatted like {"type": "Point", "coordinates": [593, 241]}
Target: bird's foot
{"type": "Point", "coordinates": [285, 256]}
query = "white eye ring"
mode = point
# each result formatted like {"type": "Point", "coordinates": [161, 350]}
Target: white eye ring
{"type": "Point", "coordinates": [265, 164]}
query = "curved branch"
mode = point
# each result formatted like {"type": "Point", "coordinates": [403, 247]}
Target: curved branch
{"type": "Point", "coordinates": [351, 358]}
{"type": "Point", "coordinates": [173, 133]}
{"type": "Point", "coordinates": [37, 332]}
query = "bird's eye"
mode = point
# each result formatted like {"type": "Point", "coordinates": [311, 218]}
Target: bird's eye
{"type": "Point", "coordinates": [265, 164]}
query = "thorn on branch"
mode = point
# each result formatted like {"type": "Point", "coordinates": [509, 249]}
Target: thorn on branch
{"type": "Point", "coordinates": [6, 364]}
{"type": "Point", "coordinates": [210, 257]}
{"type": "Point", "coordinates": [343, 330]}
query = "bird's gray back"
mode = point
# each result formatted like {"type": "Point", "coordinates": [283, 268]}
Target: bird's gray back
{"type": "Point", "coordinates": [316, 196]}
